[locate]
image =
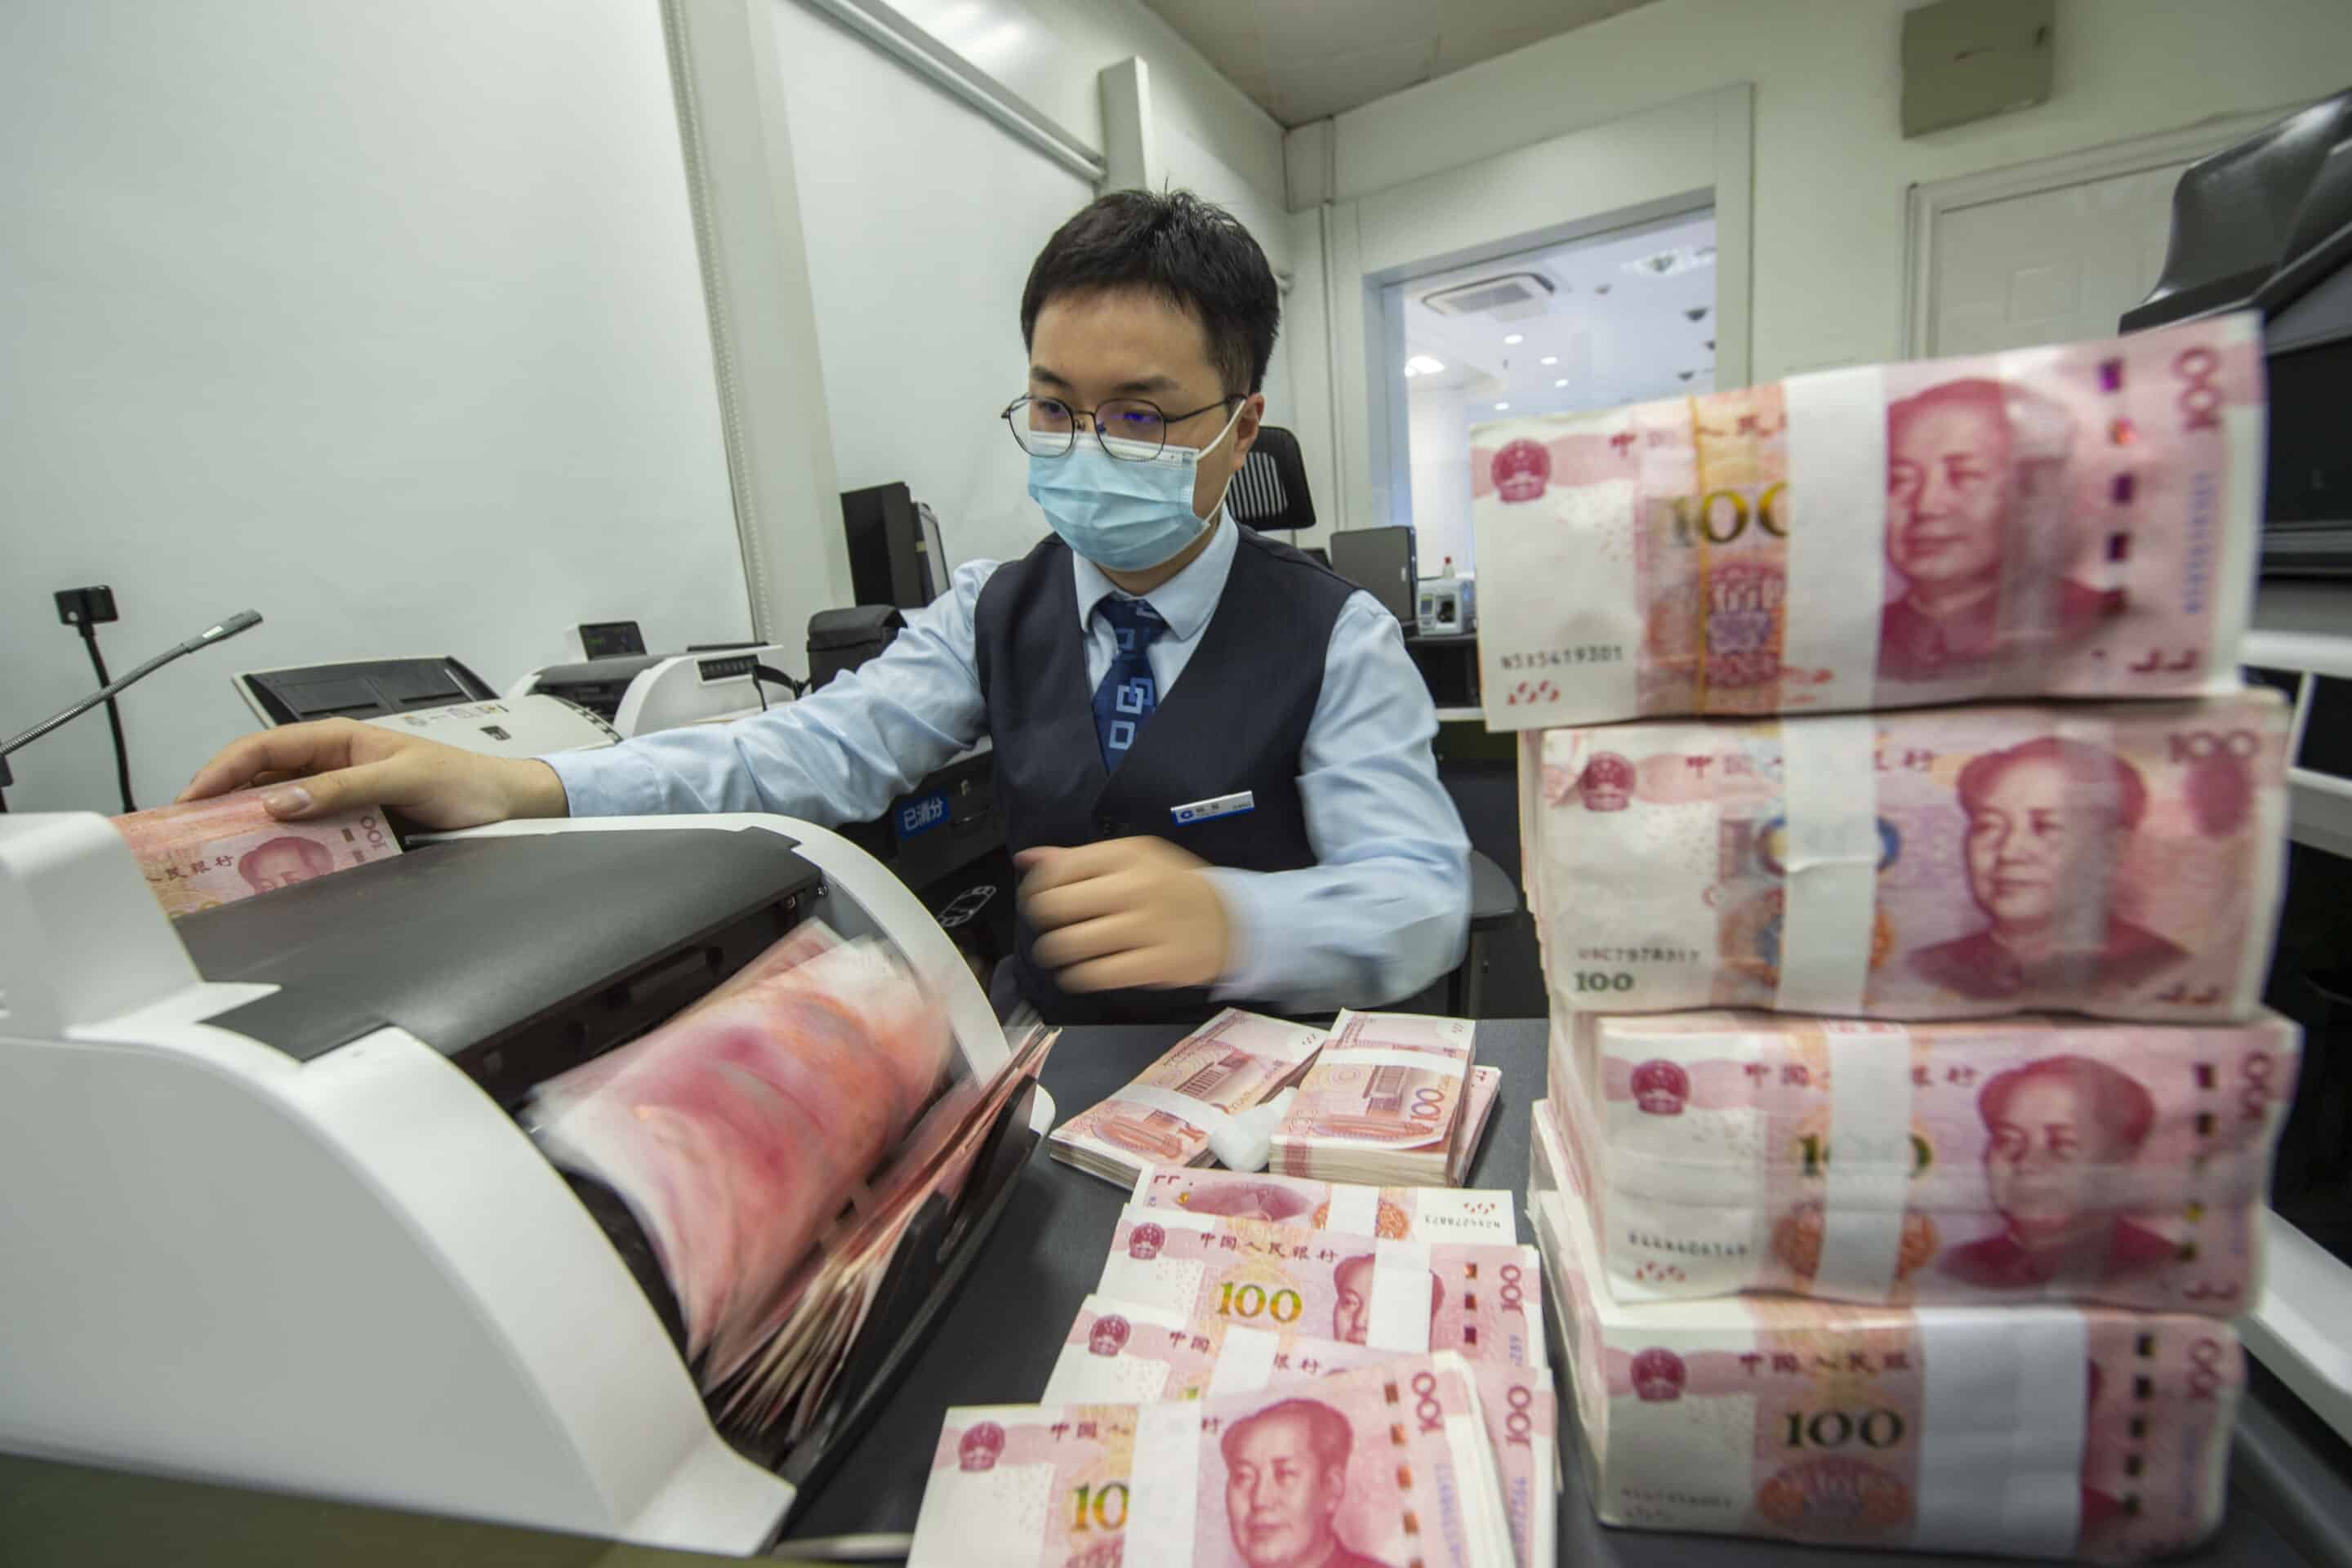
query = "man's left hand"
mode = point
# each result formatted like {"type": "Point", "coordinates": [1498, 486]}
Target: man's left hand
{"type": "Point", "coordinates": [1127, 912]}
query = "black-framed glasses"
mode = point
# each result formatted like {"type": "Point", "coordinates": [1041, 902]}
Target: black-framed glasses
{"type": "Point", "coordinates": [1132, 430]}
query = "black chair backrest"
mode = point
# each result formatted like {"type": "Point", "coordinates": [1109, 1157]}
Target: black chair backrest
{"type": "Point", "coordinates": [1270, 491]}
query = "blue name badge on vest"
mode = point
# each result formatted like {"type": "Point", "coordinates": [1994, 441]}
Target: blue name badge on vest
{"type": "Point", "coordinates": [1221, 806]}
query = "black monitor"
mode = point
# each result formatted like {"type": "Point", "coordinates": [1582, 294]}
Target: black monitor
{"type": "Point", "coordinates": [894, 554]}
{"type": "Point", "coordinates": [1381, 562]}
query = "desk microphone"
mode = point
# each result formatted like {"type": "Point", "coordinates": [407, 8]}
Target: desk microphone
{"type": "Point", "coordinates": [243, 620]}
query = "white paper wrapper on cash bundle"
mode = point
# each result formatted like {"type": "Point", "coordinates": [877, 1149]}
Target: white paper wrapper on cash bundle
{"type": "Point", "coordinates": [2033, 1431]}
{"type": "Point", "coordinates": [2123, 861]}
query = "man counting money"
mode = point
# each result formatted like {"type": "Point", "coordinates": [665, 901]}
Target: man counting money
{"type": "Point", "coordinates": [1213, 754]}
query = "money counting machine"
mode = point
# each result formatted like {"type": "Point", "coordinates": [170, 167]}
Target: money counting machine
{"type": "Point", "coordinates": [270, 1217]}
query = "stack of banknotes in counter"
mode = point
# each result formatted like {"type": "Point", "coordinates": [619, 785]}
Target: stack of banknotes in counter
{"type": "Point", "coordinates": [1896, 712]}
{"type": "Point", "coordinates": [1382, 1097]}
{"type": "Point", "coordinates": [208, 852]}
{"type": "Point", "coordinates": [1252, 1384]}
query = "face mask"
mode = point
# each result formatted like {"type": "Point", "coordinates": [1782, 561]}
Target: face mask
{"type": "Point", "coordinates": [1124, 515]}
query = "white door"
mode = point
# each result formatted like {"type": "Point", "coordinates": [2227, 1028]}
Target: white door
{"type": "Point", "coordinates": [2051, 265]}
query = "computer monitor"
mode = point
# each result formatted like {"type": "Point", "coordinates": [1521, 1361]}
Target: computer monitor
{"type": "Point", "coordinates": [1379, 561]}
{"type": "Point", "coordinates": [895, 553]}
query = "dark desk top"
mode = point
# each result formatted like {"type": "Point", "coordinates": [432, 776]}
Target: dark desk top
{"type": "Point", "coordinates": [996, 1346]}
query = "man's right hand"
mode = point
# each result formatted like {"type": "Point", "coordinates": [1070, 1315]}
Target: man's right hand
{"type": "Point", "coordinates": [339, 764]}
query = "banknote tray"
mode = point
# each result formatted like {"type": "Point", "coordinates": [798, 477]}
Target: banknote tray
{"type": "Point", "coordinates": [941, 1244]}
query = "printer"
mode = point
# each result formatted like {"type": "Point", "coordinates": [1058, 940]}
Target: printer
{"type": "Point", "coordinates": [272, 1217]}
{"type": "Point", "coordinates": [640, 693]}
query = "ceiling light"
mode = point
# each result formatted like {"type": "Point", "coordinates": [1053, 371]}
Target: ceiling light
{"type": "Point", "coordinates": [1502, 408]}
{"type": "Point", "coordinates": [1550, 359]}
{"type": "Point", "coordinates": [1512, 339]}
{"type": "Point", "coordinates": [1423, 365]}
{"type": "Point", "coordinates": [1561, 382]}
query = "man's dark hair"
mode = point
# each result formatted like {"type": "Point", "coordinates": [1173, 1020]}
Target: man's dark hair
{"type": "Point", "coordinates": [1193, 253]}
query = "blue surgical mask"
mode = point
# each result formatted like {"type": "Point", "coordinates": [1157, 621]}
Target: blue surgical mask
{"type": "Point", "coordinates": [1128, 516]}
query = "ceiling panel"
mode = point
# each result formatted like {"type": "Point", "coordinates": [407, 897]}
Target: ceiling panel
{"type": "Point", "coordinates": [1303, 59]}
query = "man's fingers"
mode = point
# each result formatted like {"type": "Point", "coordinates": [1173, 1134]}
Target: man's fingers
{"type": "Point", "coordinates": [1148, 967]}
{"type": "Point", "coordinates": [1076, 902]}
{"type": "Point", "coordinates": [1060, 867]}
{"type": "Point", "coordinates": [296, 749]}
{"type": "Point", "coordinates": [347, 789]}
{"type": "Point", "coordinates": [1092, 938]}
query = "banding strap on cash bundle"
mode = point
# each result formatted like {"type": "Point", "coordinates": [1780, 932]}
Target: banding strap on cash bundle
{"type": "Point", "coordinates": [1833, 865]}
{"type": "Point", "coordinates": [2003, 1428]}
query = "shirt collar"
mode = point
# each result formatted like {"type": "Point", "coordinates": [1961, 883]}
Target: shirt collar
{"type": "Point", "coordinates": [1185, 601]}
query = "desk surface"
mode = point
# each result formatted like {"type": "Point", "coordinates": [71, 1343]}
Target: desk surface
{"type": "Point", "coordinates": [999, 1343]}
{"type": "Point", "coordinates": [996, 1346]}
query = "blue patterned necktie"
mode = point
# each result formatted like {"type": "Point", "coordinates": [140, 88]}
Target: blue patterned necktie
{"type": "Point", "coordinates": [1127, 693]}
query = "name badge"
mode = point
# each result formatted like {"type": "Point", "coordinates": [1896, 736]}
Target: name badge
{"type": "Point", "coordinates": [1221, 806]}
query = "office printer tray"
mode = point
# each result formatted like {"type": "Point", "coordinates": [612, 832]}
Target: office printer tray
{"type": "Point", "coordinates": [520, 957]}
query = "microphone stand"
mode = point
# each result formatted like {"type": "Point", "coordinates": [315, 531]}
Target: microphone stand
{"type": "Point", "coordinates": [243, 620]}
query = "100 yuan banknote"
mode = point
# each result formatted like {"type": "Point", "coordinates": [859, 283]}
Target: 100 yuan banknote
{"type": "Point", "coordinates": [2067, 522]}
{"type": "Point", "coordinates": [1405, 1296]}
{"type": "Point", "coordinates": [2031, 1430]}
{"type": "Point", "coordinates": [1229, 1064]}
{"type": "Point", "coordinates": [2003, 1161]}
{"type": "Point", "coordinates": [208, 852]}
{"type": "Point", "coordinates": [1423, 1214]}
{"type": "Point", "coordinates": [1119, 1351]}
{"type": "Point", "coordinates": [2120, 859]}
{"type": "Point", "coordinates": [1388, 1465]}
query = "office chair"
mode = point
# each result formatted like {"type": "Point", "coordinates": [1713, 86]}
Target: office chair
{"type": "Point", "coordinates": [1270, 491]}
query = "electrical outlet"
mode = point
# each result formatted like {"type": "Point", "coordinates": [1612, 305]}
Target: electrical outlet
{"type": "Point", "coordinates": [86, 606]}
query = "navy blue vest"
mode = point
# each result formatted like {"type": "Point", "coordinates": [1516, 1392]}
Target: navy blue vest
{"type": "Point", "coordinates": [1233, 722]}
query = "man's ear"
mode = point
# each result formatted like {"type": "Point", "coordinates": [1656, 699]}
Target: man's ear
{"type": "Point", "coordinates": [1335, 1486]}
{"type": "Point", "coordinates": [1252, 414]}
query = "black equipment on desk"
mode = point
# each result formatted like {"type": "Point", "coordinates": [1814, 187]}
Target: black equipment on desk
{"type": "Point", "coordinates": [2267, 225]}
{"type": "Point", "coordinates": [844, 639]}
{"type": "Point", "coordinates": [896, 556]}
{"type": "Point", "coordinates": [361, 689]}
{"type": "Point", "coordinates": [1381, 562]}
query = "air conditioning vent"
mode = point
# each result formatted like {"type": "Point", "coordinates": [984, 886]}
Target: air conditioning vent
{"type": "Point", "coordinates": [1508, 296]}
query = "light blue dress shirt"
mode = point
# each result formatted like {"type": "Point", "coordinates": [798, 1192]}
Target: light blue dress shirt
{"type": "Point", "coordinates": [1383, 912]}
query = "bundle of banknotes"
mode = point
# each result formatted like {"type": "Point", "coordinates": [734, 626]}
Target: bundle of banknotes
{"type": "Point", "coordinates": [2037, 1431]}
{"type": "Point", "coordinates": [1238, 1388]}
{"type": "Point", "coordinates": [775, 1142]}
{"type": "Point", "coordinates": [1390, 1100]}
{"type": "Point", "coordinates": [2120, 859]}
{"type": "Point", "coordinates": [2013, 1159]}
{"type": "Point", "coordinates": [208, 852]}
{"type": "Point", "coordinates": [1383, 1098]}
{"type": "Point", "coordinates": [2068, 521]}
{"type": "Point", "coordinates": [1233, 1063]}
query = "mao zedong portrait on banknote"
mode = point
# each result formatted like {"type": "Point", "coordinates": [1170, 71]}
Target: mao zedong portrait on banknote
{"type": "Point", "coordinates": [1351, 1305]}
{"type": "Point", "coordinates": [2052, 1125]}
{"type": "Point", "coordinates": [1286, 1477]}
{"type": "Point", "coordinates": [1967, 462]}
{"type": "Point", "coordinates": [2047, 821]}
{"type": "Point", "coordinates": [283, 861]}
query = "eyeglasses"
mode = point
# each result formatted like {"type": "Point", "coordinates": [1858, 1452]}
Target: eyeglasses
{"type": "Point", "coordinates": [1129, 428]}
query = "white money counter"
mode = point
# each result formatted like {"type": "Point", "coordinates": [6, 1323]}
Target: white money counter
{"type": "Point", "coordinates": [270, 1218]}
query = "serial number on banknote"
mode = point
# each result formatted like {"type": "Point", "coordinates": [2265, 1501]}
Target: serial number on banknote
{"type": "Point", "coordinates": [1556, 658]}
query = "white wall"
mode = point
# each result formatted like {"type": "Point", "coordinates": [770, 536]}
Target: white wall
{"type": "Point", "coordinates": [1831, 165]}
{"type": "Point", "coordinates": [920, 219]}
{"type": "Point", "coordinates": [384, 321]}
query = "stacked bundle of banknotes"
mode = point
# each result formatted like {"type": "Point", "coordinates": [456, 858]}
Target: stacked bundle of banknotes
{"type": "Point", "coordinates": [1382, 1097]}
{"type": "Point", "coordinates": [1928, 1236]}
{"type": "Point", "coordinates": [208, 852]}
{"type": "Point", "coordinates": [1251, 1383]}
